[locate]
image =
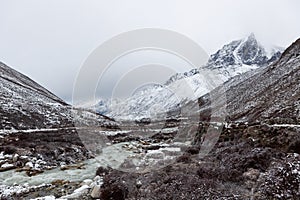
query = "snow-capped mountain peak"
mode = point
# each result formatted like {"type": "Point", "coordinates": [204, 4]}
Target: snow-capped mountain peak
{"type": "Point", "coordinates": [235, 58]}
{"type": "Point", "coordinates": [247, 51]}
{"type": "Point", "coordinates": [179, 76]}
{"type": "Point", "coordinates": [240, 56]}
{"type": "Point", "coordinates": [232, 59]}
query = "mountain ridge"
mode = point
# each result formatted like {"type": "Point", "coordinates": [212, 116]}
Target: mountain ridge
{"type": "Point", "coordinates": [25, 80]}
{"type": "Point", "coordinates": [223, 65]}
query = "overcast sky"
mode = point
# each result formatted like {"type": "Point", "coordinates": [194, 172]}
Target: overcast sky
{"type": "Point", "coordinates": [49, 40]}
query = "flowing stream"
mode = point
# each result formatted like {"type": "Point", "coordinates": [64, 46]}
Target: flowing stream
{"type": "Point", "coordinates": [112, 155]}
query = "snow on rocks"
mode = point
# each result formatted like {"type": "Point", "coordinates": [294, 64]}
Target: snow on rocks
{"type": "Point", "coordinates": [6, 162]}
{"type": "Point", "coordinates": [95, 191]}
{"type": "Point", "coordinates": [282, 179]}
{"type": "Point", "coordinates": [7, 165]}
{"type": "Point", "coordinates": [88, 187]}
{"type": "Point", "coordinates": [53, 191]}
{"type": "Point", "coordinates": [45, 198]}
{"type": "Point", "coordinates": [83, 190]}
{"type": "Point", "coordinates": [8, 191]}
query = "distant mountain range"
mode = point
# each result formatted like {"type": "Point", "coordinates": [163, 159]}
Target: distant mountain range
{"type": "Point", "coordinates": [232, 59]}
{"type": "Point", "coordinates": [266, 88]}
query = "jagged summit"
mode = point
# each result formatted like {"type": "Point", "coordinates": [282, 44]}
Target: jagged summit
{"type": "Point", "coordinates": [250, 52]}
{"type": "Point", "coordinates": [235, 58]}
{"type": "Point", "coordinates": [245, 53]}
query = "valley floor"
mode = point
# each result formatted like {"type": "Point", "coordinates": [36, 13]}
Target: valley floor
{"type": "Point", "coordinates": [249, 161]}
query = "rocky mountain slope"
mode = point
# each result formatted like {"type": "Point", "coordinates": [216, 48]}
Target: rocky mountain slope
{"type": "Point", "coordinates": [232, 59]}
{"type": "Point", "coordinates": [270, 93]}
{"type": "Point", "coordinates": [24, 104]}
{"type": "Point", "coordinates": [38, 130]}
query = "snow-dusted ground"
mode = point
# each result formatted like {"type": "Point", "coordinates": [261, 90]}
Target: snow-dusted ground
{"type": "Point", "coordinates": [117, 156]}
{"type": "Point", "coordinates": [6, 190]}
{"type": "Point", "coordinates": [11, 131]}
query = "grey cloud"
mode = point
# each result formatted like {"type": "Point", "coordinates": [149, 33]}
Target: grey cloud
{"type": "Point", "coordinates": [49, 40]}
